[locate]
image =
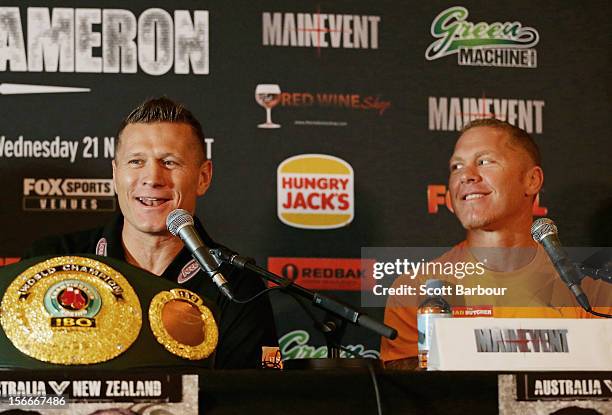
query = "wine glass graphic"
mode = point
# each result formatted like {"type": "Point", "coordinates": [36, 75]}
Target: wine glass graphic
{"type": "Point", "coordinates": [268, 96]}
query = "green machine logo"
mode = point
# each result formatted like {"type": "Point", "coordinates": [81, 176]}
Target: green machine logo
{"type": "Point", "coordinates": [294, 345]}
{"type": "Point", "coordinates": [506, 44]}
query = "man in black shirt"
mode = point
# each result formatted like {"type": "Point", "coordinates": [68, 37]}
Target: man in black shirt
{"type": "Point", "coordinates": [160, 165]}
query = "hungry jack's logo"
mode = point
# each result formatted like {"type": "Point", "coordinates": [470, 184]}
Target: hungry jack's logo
{"type": "Point", "coordinates": [315, 191]}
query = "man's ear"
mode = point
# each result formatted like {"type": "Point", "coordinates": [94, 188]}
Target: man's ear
{"type": "Point", "coordinates": [534, 179]}
{"type": "Point", "coordinates": [114, 175]}
{"type": "Point", "coordinates": [204, 177]}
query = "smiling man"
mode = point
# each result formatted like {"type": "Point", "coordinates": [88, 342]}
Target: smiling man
{"type": "Point", "coordinates": [495, 176]}
{"type": "Point", "coordinates": [160, 165]}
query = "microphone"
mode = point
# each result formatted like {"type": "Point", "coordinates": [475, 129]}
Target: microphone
{"type": "Point", "coordinates": [544, 231]}
{"type": "Point", "coordinates": [180, 223]}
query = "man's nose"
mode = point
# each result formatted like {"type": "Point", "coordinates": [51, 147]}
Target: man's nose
{"type": "Point", "coordinates": [154, 175]}
{"type": "Point", "coordinates": [469, 174]}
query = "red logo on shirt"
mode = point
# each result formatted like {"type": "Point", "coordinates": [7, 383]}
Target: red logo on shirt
{"type": "Point", "coordinates": [8, 260]}
{"type": "Point", "coordinates": [101, 247]}
{"type": "Point", "coordinates": [189, 270]}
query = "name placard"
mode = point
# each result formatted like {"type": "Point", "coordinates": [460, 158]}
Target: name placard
{"type": "Point", "coordinates": [558, 385]}
{"type": "Point", "coordinates": [521, 344]}
{"type": "Point", "coordinates": [91, 392]}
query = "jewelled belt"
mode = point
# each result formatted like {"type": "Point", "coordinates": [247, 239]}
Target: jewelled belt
{"type": "Point", "coordinates": [75, 310]}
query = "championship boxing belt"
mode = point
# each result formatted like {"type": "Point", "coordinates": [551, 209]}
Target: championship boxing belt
{"type": "Point", "coordinates": [90, 310]}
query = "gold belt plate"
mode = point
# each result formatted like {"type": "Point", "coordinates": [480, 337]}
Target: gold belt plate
{"type": "Point", "coordinates": [183, 324]}
{"type": "Point", "coordinates": [71, 310]}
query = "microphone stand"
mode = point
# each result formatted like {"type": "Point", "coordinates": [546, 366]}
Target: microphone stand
{"type": "Point", "coordinates": [332, 328]}
{"type": "Point", "coordinates": [597, 266]}
{"type": "Point", "coordinates": [604, 274]}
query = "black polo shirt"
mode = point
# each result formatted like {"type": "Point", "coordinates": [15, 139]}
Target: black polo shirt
{"type": "Point", "coordinates": [243, 328]}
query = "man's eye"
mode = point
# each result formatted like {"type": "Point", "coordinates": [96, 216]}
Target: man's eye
{"type": "Point", "coordinates": [169, 163]}
{"type": "Point", "coordinates": [135, 162]}
{"type": "Point", "coordinates": [455, 167]}
{"type": "Point", "coordinates": [482, 162]}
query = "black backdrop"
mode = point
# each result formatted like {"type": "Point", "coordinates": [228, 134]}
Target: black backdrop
{"type": "Point", "coordinates": [394, 152]}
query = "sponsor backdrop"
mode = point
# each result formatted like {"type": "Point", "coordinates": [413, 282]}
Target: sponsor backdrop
{"type": "Point", "coordinates": [329, 124]}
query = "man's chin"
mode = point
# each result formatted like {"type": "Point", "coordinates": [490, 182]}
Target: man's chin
{"type": "Point", "coordinates": [159, 232]}
{"type": "Point", "coordinates": [156, 229]}
{"type": "Point", "coordinates": [152, 222]}
{"type": "Point", "coordinates": [471, 223]}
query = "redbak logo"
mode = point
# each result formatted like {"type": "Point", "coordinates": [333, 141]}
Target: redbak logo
{"type": "Point", "coordinates": [322, 274]}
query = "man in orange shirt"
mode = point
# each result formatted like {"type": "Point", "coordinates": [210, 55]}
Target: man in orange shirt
{"type": "Point", "coordinates": [495, 175]}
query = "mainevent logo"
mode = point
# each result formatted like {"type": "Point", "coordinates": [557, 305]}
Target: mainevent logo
{"type": "Point", "coordinates": [482, 44]}
{"type": "Point", "coordinates": [319, 30]}
{"type": "Point", "coordinates": [93, 40]}
{"type": "Point", "coordinates": [521, 340]}
{"type": "Point", "coordinates": [66, 195]}
{"type": "Point", "coordinates": [453, 113]}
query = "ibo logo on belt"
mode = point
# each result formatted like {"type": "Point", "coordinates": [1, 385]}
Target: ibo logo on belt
{"type": "Point", "coordinates": [72, 303]}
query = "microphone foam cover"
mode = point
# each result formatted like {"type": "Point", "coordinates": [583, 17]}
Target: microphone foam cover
{"type": "Point", "coordinates": [541, 228]}
{"type": "Point", "coordinates": [177, 219]}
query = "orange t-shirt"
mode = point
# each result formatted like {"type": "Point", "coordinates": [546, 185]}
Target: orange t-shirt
{"type": "Point", "coordinates": [536, 284]}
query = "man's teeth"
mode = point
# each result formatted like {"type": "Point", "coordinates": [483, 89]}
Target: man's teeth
{"type": "Point", "coordinates": [474, 196]}
{"type": "Point", "coordinates": [151, 201]}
